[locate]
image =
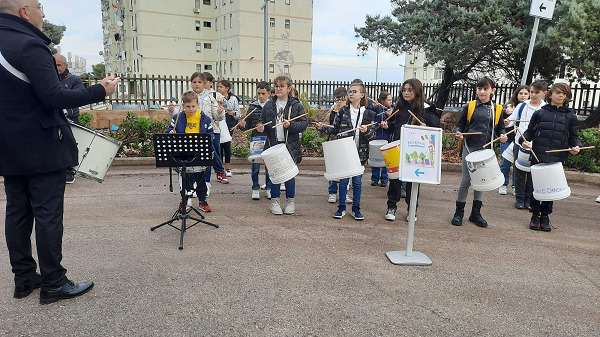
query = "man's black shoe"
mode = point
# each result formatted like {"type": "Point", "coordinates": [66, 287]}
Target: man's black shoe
{"type": "Point", "coordinates": [68, 290]}
{"type": "Point", "coordinates": [24, 290]}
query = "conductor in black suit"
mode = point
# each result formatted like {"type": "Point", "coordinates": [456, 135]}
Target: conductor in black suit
{"type": "Point", "coordinates": [36, 147]}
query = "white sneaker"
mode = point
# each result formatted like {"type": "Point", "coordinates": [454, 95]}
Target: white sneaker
{"type": "Point", "coordinates": [502, 190]}
{"type": "Point", "coordinates": [268, 194]}
{"type": "Point", "coordinates": [514, 192]}
{"type": "Point", "coordinates": [207, 190]}
{"type": "Point", "coordinates": [332, 198]}
{"type": "Point", "coordinates": [263, 186]}
{"type": "Point", "coordinates": [348, 199]}
{"type": "Point", "coordinates": [282, 187]}
{"type": "Point", "coordinates": [228, 173]}
{"type": "Point", "coordinates": [255, 194]}
{"type": "Point", "coordinates": [290, 206]}
{"type": "Point", "coordinates": [598, 199]}
{"type": "Point", "coordinates": [390, 215]}
{"type": "Point", "coordinates": [276, 206]}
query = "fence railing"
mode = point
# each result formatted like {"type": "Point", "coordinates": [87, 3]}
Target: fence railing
{"type": "Point", "coordinates": [155, 92]}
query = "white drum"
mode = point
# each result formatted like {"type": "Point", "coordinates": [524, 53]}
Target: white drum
{"type": "Point", "coordinates": [257, 146]}
{"type": "Point", "coordinates": [280, 164]}
{"type": "Point", "coordinates": [341, 159]}
{"type": "Point", "coordinates": [549, 182]}
{"type": "Point", "coordinates": [96, 152]}
{"type": "Point", "coordinates": [523, 161]}
{"type": "Point", "coordinates": [375, 157]}
{"type": "Point", "coordinates": [508, 153]}
{"type": "Point", "coordinates": [484, 170]}
{"type": "Point", "coordinates": [225, 135]}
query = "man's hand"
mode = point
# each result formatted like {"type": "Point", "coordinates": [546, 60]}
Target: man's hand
{"type": "Point", "coordinates": [109, 83]}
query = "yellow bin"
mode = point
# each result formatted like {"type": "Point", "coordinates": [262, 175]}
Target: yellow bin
{"type": "Point", "coordinates": [391, 156]}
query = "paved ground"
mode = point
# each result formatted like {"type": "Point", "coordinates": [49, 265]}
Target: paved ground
{"type": "Point", "coordinates": [309, 274]}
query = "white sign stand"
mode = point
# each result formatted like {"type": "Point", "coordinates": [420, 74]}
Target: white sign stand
{"type": "Point", "coordinates": [539, 9]}
{"type": "Point", "coordinates": [420, 162]}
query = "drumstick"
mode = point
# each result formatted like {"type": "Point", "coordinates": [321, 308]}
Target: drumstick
{"type": "Point", "coordinates": [569, 149]}
{"type": "Point", "coordinates": [486, 144]}
{"type": "Point", "coordinates": [278, 124]}
{"type": "Point", "coordinates": [533, 153]}
{"type": "Point", "coordinates": [464, 133]}
{"type": "Point", "coordinates": [518, 120]}
{"type": "Point", "coordinates": [267, 123]}
{"type": "Point", "coordinates": [243, 119]}
{"type": "Point", "coordinates": [367, 125]}
{"type": "Point", "coordinates": [415, 117]}
{"type": "Point", "coordinates": [324, 124]}
{"type": "Point", "coordinates": [390, 116]}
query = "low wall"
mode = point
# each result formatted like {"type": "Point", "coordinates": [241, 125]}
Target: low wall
{"type": "Point", "coordinates": [104, 118]}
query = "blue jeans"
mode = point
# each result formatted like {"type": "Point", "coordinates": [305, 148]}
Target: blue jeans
{"type": "Point", "coordinates": [333, 187]}
{"type": "Point", "coordinates": [379, 173]}
{"type": "Point", "coordinates": [356, 187]}
{"type": "Point", "coordinates": [290, 189]}
{"type": "Point", "coordinates": [217, 160]}
{"type": "Point", "coordinates": [255, 173]}
{"type": "Point", "coordinates": [505, 164]}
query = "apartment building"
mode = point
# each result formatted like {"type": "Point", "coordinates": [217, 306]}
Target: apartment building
{"type": "Point", "coordinates": [224, 37]}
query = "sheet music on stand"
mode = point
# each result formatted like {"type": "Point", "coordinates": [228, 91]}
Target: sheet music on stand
{"type": "Point", "coordinates": [171, 147]}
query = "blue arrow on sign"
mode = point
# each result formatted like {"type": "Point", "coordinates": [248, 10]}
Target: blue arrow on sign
{"type": "Point", "coordinates": [417, 172]}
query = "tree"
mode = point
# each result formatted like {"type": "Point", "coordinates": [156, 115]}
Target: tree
{"type": "Point", "coordinates": [99, 70]}
{"type": "Point", "coordinates": [469, 38]}
{"type": "Point", "coordinates": [54, 32]}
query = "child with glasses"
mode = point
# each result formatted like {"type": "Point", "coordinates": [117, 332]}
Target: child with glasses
{"type": "Point", "coordinates": [282, 108]}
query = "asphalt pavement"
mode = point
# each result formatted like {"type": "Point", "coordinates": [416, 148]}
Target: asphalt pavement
{"type": "Point", "coordinates": [308, 274]}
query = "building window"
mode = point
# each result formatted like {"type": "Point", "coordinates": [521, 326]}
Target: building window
{"type": "Point", "coordinates": [272, 22]}
{"type": "Point", "coordinates": [286, 69]}
{"type": "Point", "coordinates": [198, 47]}
{"type": "Point", "coordinates": [438, 73]}
{"type": "Point", "coordinates": [207, 67]}
{"type": "Point", "coordinates": [196, 4]}
{"type": "Point", "coordinates": [198, 67]}
{"type": "Point", "coordinates": [271, 68]}
{"type": "Point", "coordinates": [207, 24]}
{"type": "Point", "coordinates": [272, 44]}
{"type": "Point", "coordinates": [224, 2]}
{"type": "Point", "coordinates": [206, 2]}
{"type": "Point", "coordinates": [287, 24]}
{"type": "Point", "coordinates": [287, 2]}
{"type": "Point", "coordinates": [198, 25]}
{"type": "Point", "coordinates": [207, 46]}
{"type": "Point", "coordinates": [273, 1]}
{"type": "Point", "coordinates": [424, 73]}
{"type": "Point", "coordinates": [216, 24]}
{"type": "Point", "coordinates": [231, 67]}
{"type": "Point", "coordinates": [230, 1]}
{"type": "Point", "coordinates": [230, 20]}
{"type": "Point", "coordinates": [224, 22]}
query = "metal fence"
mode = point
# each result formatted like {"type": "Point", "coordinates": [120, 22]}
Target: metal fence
{"type": "Point", "coordinates": [156, 92]}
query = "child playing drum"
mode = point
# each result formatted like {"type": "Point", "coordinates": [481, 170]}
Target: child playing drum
{"type": "Point", "coordinates": [486, 118]}
{"type": "Point", "coordinates": [552, 127]}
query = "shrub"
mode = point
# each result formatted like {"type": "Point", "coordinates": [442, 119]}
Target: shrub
{"type": "Point", "coordinates": [85, 119]}
{"type": "Point", "coordinates": [136, 133]}
{"type": "Point", "coordinates": [310, 112]}
{"type": "Point", "coordinates": [587, 160]}
{"type": "Point", "coordinates": [312, 143]}
{"type": "Point", "coordinates": [240, 150]}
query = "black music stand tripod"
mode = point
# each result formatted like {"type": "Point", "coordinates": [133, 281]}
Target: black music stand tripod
{"type": "Point", "coordinates": [183, 150]}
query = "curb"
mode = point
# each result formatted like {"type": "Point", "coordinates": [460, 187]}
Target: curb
{"type": "Point", "coordinates": [572, 176]}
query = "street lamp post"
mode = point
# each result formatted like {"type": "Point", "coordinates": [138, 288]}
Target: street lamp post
{"type": "Point", "coordinates": [265, 41]}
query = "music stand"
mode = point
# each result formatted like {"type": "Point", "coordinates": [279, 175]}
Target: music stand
{"type": "Point", "coordinates": [183, 150]}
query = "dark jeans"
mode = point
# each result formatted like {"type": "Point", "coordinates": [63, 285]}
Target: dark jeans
{"type": "Point", "coordinates": [39, 197]}
{"type": "Point", "coordinates": [541, 207]}
{"type": "Point", "coordinates": [379, 173]}
{"type": "Point", "coordinates": [226, 152]}
{"type": "Point", "coordinates": [290, 189]}
{"type": "Point", "coordinates": [198, 178]}
{"type": "Point", "coordinates": [395, 193]}
{"type": "Point", "coordinates": [217, 160]}
{"type": "Point", "coordinates": [333, 187]}
{"type": "Point", "coordinates": [356, 189]}
{"type": "Point", "coordinates": [255, 173]}
{"type": "Point", "coordinates": [522, 181]}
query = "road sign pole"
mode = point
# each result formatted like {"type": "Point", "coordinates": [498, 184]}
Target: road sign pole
{"type": "Point", "coordinates": [536, 23]}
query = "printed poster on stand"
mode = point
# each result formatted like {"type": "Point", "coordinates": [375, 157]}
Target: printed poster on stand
{"type": "Point", "coordinates": [421, 154]}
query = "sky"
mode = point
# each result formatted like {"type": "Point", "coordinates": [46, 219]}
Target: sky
{"type": "Point", "coordinates": [334, 53]}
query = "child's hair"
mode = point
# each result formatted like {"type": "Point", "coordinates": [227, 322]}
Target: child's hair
{"type": "Point", "coordinates": [263, 85]}
{"type": "Point", "coordinates": [340, 92]}
{"type": "Point", "coordinates": [417, 106]}
{"type": "Point", "coordinates": [363, 100]}
{"type": "Point", "coordinates": [226, 84]}
{"type": "Point", "coordinates": [272, 90]}
{"type": "Point", "coordinates": [282, 79]}
{"type": "Point", "coordinates": [199, 75]}
{"type": "Point", "coordinates": [383, 95]}
{"type": "Point", "coordinates": [514, 98]}
{"type": "Point", "coordinates": [208, 76]}
{"type": "Point", "coordinates": [356, 80]}
{"type": "Point", "coordinates": [540, 85]}
{"type": "Point", "coordinates": [294, 92]}
{"type": "Point", "coordinates": [486, 81]}
{"type": "Point", "coordinates": [189, 96]}
{"type": "Point", "coordinates": [562, 87]}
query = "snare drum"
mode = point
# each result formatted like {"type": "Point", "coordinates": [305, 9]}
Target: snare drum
{"type": "Point", "coordinates": [96, 152]}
